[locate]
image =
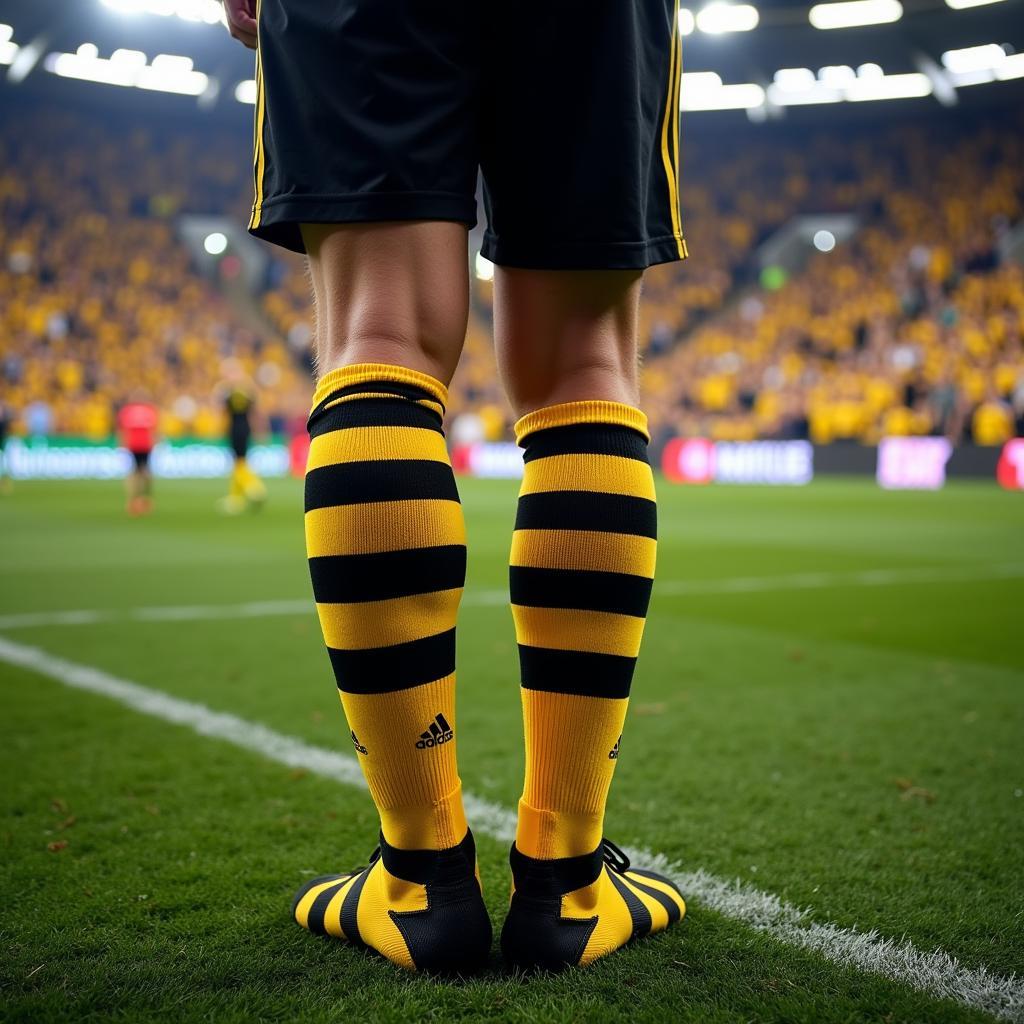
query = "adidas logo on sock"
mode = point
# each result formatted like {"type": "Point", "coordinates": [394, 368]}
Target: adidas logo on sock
{"type": "Point", "coordinates": [613, 754]}
{"type": "Point", "coordinates": [439, 732]}
{"type": "Point", "coordinates": [355, 743]}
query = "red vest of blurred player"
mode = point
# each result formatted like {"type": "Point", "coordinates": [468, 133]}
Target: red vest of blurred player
{"type": "Point", "coordinates": [136, 423]}
{"type": "Point", "coordinates": [298, 446]}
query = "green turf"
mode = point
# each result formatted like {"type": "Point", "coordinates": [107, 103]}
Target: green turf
{"type": "Point", "coordinates": [854, 749]}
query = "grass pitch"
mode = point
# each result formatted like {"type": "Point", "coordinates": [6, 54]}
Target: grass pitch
{"type": "Point", "coordinates": [828, 706]}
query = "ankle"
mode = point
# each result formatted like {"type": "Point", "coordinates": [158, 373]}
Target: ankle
{"type": "Point", "coordinates": [546, 834]}
{"type": "Point", "coordinates": [440, 825]}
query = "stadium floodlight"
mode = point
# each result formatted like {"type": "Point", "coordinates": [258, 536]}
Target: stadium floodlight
{"type": "Point", "coordinates": [483, 267]}
{"type": "Point", "coordinates": [740, 96]}
{"type": "Point", "coordinates": [698, 81]}
{"type": "Point", "coordinates": [245, 92]}
{"type": "Point", "coordinates": [208, 12]}
{"type": "Point", "coordinates": [963, 78]}
{"type": "Point", "coordinates": [824, 241]}
{"type": "Point", "coordinates": [974, 58]}
{"type": "Point", "coordinates": [704, 90]}
{"type": "Point", "coordinates": [799, 86]}
{"type": "Point", "coordinates": [686, 22]}
{"type": "Point", "coordinates": [167, 73]}
{"type": "Point", "coordinates": [794, 79]}
{"type": "Point", "coordinates": [215, 243]}
{"type": "Point", "coordinates": [8, 47]}
{"type": "Point", "coordinates": [130, 58]}
{"type": "Point", "coordinates": [718, 18]}
{"type": "Point", "coordinates": [979, 65]}
{"type": "Point", "coordinates": [1012, 67]}
{"type": "Point", "coordinates": [787, 96]}
{"type": "Point", "coordinates": [890, 87]}
{"type": "Point", "coordinates": [838, 82]}
{"type": "Point", "coordinates": [86, 65]}
{"type": "Point", "coordinates": [960, 5]}
{"type": "Point", "coordinates": [852, 13]}
{"type": "Point", "coordinates": [837, 76]}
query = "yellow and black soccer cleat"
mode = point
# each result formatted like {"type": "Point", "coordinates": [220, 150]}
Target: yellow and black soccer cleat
{"type": "Point", "coordinates": [571, 911]}
{"type": "Point", "coordinates": [422, 909]}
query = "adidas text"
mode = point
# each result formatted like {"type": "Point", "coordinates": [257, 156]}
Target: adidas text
{"type": "Point", "coordinates": [439, 732]}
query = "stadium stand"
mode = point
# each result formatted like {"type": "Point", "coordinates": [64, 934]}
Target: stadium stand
{"type": "Point", "coordinates": [101, 297]}
{"type": "Point", "coordinates": [913, 326]}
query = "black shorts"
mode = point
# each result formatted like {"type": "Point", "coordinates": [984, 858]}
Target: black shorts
{"type": "Point", "coordinates": [383, 110]}
{"type": "Point", "coordinates": [141, 460]}
{"type": "Point", "coordinates": [239, 442]}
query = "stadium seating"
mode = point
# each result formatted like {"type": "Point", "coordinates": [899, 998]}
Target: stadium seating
{"type": "Point", "coordinates": [911, 327]}
{"type": "Point", "coordinates": [101, 298]}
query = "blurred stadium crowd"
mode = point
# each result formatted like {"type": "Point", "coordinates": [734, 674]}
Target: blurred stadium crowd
{"type": "Point", "coordinates": [913, 326]}
{"type": "Point", "coordinates": [101, 300]}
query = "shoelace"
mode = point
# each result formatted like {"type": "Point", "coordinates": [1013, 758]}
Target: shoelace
{"type": "Point", "coordinates": [614, 857]}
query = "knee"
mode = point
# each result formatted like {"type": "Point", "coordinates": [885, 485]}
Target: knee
{"type": "Point", "coordinates": [390, 293]}
{"type": "Point", "coordinates": [607, 374]}
{"type": "Point", "coordinates": [382, 339]}
{"type": "Point", "coordinates": [565, 336]}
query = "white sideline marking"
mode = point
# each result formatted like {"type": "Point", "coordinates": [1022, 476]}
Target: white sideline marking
{"type": "Point", "coordinates": [483, 597]}
{"type": "Point", "coordinates": [161, 613]}
{"type": "Point", "coordinates": [858, 578]}
{"type": "Point", "coordinates": [937, 973]}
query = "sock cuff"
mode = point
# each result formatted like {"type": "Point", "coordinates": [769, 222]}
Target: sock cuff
{"type": "Point", "coordinates": [384, 373]}
{"type": "Point", "coordinates": [439, 825]}
{"type": "Point", "coordinates": [593, 411]}
{"type": "Point", "coordinates": [552, 835]}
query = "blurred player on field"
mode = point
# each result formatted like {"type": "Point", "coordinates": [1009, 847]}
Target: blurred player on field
{"type": "Point", "coordinates": [6, 418]}
{"type": "Point", "coordinates": [136, 426]}
{"type": "Point", "coordinates": [246, 489]}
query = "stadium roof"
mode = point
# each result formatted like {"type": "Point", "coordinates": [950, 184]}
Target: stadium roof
{"type": "Point", "coordinates": [768, 58]}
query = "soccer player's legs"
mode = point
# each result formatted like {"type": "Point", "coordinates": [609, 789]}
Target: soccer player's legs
{"type": "Point", "coordinates": [145, 475]}
{"type": "Point", "coordinates": [140, 484]}
{"type": "Point", "coordinates": [253, 488]}
{"type": "Point", "coordinates": [234, 503]}
{"type": "Point", "coordinates": [5, 420]}
{"type": "Point", "coordinates": [582, 196]}
{"type": "Point", "coordinates": [582, 566]}
{"type": "Point", "coordinates": [365, 158]}
{"type": "Point", "coordinates": [387, 556]}
{"type": "Point", "coordinates": [245, 487]}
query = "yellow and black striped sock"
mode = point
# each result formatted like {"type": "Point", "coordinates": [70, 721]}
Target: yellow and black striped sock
{"type": "Point", "coordinates": [387, 555]}
{"type": "Point", "coordinates": [581, 572]}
